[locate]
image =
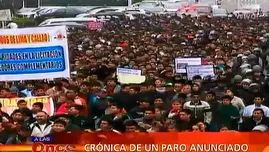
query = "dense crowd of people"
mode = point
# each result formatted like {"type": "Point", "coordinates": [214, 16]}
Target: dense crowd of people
{"type": "Point", "coordinates": [92, 100]}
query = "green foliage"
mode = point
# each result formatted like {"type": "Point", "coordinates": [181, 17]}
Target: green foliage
{"type": "Point", "coordinates": [23, 22]}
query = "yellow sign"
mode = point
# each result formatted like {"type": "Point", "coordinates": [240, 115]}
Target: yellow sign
{"type": "Point", "coordinates": [24, 38]}
{"type": "Point", "coordinates": [10, 104]}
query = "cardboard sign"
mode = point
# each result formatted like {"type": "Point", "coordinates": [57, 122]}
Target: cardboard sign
{"type": "Point", "coordinates": [202, 70]}
{"type": "Point", "coordinates": [182, 63]}
{"type": "Point", "coordinates": [92, 25]}
{"type": "Point", "coordinates": [126, 71]}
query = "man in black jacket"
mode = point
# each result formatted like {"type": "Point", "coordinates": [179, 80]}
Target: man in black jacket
{"type": "Point", "coordinates": [215, 106]}
{"type": "Point", "coordinates": [82, 122]}
{"type": "Point", "coordinates": [138, 111]}
{"type": "Point", "coordinates": [117, 117]}
{"type": "Point", "coordinates": [257, 118]}
{"type": "Point", "coordinates": [184, 121]}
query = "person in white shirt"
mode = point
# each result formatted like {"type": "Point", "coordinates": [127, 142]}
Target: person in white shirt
{"type": "Point", "coordinates": [42, 126]}
{"type": "Point", "coordinates": [236, 101]}
{"type": "Point", "coordinates": [257, 104]}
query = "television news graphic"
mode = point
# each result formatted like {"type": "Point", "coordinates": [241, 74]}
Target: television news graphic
{"type": "Point", "coordinates": [40, 147]}
{"type": "Point", "coordinates": [42, 139]}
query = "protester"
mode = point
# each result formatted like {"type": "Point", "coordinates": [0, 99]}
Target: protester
{"type": "Point", "coordinates": [42, 126]}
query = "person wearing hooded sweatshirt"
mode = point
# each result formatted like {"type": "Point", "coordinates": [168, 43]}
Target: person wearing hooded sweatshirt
{"type": "Point", "coordinates": [252, 59]}
{"type": "Point", "coordinates": [236, 87]}
{"type": "Point", "coordinates": [258, 77]}
{"type": "Point", "coordinates": [245, 93]}
{"type": "Point", "coordinates": [228, 114]}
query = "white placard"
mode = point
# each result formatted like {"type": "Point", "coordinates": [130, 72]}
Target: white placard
{"type": "Point", "coordinates": [126, 71]}
{"type": "Point", "coordinates": [34, 53]}
{"type": "Point", "coordinates": [181, 63]}
{"type": "Point", "coordinates": [202, 70]}
{"type": "Point", "coordinates": [131, 79]}
{"type": "Point", "coordinates": [5, 15]}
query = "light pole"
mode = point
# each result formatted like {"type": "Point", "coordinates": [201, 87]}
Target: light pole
{"type": "Point", "coordinates": [39, 3]}
{"type": "Point", "coordinates": [129, 3]}
{"type": "Point", "coordinates": [23, 4]}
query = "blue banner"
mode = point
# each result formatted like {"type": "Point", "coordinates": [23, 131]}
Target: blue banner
{"type": "Point", "coordinates": [32, 60]}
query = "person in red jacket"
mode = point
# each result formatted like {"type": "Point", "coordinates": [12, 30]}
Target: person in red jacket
{"type": "Point", "coordinates": [72, 94]}
{"type": "Point", "coordinates": [5, 93]}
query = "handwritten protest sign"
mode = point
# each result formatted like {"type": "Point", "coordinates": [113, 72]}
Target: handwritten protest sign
{"type": "Point", "coordinates": [182, 63]}
{"type": "Point", "coordinates": [126, 71]}
{"type": "Point", "coordinates": [92, 25]}
{"type": "Point", "coordinates": [202, 70]}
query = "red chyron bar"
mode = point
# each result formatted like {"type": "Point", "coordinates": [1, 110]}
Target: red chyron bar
{"type": "Point", "coordinates": [256, 142]}
{"type": "Point", "coordinates": [253, 142]}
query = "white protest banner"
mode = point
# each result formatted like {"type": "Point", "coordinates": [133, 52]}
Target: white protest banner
{"type": "Point", "coordinates": [10, 104]}
{"type": "Point", "coordinates": [131, 79]}
{"type": "Point", "coordinates": [126, 71]}
{"type": "Point", "coordinates": [202, 70]}
{"type": "Point", "coordinates": [5, 15]}
{"type": "Point", "coordinates": [181, 63]}
{"type": "Point", "coordinates": [34, 53]}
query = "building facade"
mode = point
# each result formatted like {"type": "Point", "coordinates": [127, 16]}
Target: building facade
{"type": "Point", "coordinates": [231, 5]}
